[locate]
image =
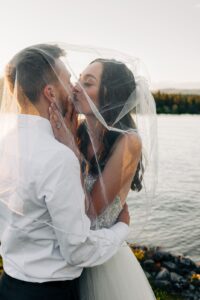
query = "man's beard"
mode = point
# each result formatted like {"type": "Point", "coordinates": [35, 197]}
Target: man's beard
{"type": "Point", "coordinates": [63, 110]}
{"type": "Point", "coordinates": [62, 106]}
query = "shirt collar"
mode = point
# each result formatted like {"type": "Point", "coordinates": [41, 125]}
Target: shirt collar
{"type": "Point", "coordinates": [34, 121]}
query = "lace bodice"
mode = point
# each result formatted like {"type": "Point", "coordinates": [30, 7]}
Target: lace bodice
{"type": "Point", "coordinates": [110, 214]}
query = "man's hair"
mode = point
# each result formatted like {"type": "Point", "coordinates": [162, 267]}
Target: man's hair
{"type": "Point", "coordinates": [33, 68]}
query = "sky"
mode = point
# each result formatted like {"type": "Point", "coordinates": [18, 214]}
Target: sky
{"type": "Point", "coordinates": [164, 34]}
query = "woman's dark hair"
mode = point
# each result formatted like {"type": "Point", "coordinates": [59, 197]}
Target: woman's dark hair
{"type": "Point", "coordinates": [117, 84]}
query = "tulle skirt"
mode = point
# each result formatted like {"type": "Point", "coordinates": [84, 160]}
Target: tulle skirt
{"type": "Point", "coordinates": [121, 278]}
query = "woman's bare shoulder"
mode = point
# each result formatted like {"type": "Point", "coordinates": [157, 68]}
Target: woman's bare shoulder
{"type": "Point", "coordinates": [129, 142]}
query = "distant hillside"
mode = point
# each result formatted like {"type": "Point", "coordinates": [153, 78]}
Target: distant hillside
{"type": "Point", "coordinates": [173, 85]}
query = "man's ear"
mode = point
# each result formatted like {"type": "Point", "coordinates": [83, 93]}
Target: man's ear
{"type": "Point", "coordinates": [49, 93]}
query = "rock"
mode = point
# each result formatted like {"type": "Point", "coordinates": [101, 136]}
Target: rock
{"type": "Point", "coordinates": [154, 274]}
{"type": "Point", "coordinates": [163, 275]}
{"type": "Point", "coordinates": [184, 283]}
{"type": "Point", "coordinates": [149, 265]}
{"type": "Point", "coordinates": [192, 272]}
{"type": "Point", "coordinates": [198, 270]}
{"type": "Point", "coordinates": [184, 271]}
{"type": "Point", "coordinates": [196, 297]}
{"type": "Point", "coordinates": [161, 255]}
{"type": "Point", "coordinates": [196, 283]}
{"type": "Point", "coordinates": [175, 277]}
{"type": "Point", "coordinates": [157, 266]}
{"type": "Point", "coordinates": [177, 287]}
{"type": "Point", "coordinates": [170, 265]}
{"type": "Point", "coordinates": [191, 287]}
{"type": "Point", "coordinates": [174, 274]}
{"type": "Point", "coordinates": [189, 296]}
{"type": "Point", "coordinates": [163, 284]}
{"type": "Point", "coordinates": [187, 263]}
{"type": "Point", "coordinates": [176, 259]}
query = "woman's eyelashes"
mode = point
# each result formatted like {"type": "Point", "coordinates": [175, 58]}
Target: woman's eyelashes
{"type": "Point", "coordinates": [87, 84]}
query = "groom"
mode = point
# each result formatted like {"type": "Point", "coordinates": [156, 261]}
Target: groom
{"type": "Point", "coordinates": [45, 247]}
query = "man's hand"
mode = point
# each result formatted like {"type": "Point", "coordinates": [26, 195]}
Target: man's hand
{"type": "Point", "coordinates": [124, 215]}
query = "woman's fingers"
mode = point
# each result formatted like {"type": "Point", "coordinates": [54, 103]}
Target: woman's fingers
{"type": "Point", "coordinates": [61, 132]}
{"type": "Point", "coordinates": [53, 119]}
{"type": "Point", "coordinates": [58, 118]}
{"type": "Point", "coordinates": [52, 116]}
{"type": "Point", "coordinates": [68, 122]}
{"type": "Point", "coordinates": [70, 110]}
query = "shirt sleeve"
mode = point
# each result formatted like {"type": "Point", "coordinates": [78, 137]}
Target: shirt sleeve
{"type": "Point", "coordinates": [65, 202]}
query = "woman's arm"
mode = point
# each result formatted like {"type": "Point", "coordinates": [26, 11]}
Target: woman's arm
{"type": "Point", "coordinates": [117, 175]}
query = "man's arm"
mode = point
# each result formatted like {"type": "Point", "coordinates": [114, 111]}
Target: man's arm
{"type": "Point", "coordinates": [79, 245]}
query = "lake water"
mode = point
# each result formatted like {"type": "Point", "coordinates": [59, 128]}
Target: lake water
{"type": "Point", "coordinates": [174, 218]}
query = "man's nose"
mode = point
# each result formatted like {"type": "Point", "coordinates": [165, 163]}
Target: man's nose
{"type": "Point", "coordinates": [77, 88]}
{"type": "Point", "coordinates": [71, 86]}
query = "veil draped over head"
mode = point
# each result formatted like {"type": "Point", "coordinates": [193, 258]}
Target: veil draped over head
{"type": "Point", "coordinates": [126, 106]}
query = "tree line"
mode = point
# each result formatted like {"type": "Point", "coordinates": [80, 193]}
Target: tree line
{"type": "Point", "coordinates": [177, 103]}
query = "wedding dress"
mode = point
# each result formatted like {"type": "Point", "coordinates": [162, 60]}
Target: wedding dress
{"type": "Point", "coordinates": [120, 278]}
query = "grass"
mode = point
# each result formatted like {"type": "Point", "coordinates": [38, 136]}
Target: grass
{"type": "Point", "coordinates": [162, 295]}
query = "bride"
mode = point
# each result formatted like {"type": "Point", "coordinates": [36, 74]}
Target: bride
{"type": "Point", "coordinates": [111, 158]}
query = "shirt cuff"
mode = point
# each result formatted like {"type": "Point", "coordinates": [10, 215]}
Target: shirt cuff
{"type": "Point", "coordinates": [121, 230]}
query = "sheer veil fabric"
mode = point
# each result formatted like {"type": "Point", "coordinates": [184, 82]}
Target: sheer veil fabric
{"type": "Point", "coordinates": [139, 105]}
{"type": "Point", "coordinates": [133, 113]}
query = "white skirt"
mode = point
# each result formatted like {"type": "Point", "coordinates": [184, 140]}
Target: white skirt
{"type": "Point", "coordinates": [121, 278]}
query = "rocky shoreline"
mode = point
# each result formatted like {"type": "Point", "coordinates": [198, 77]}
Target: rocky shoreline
{"type": "Point", "coordinates": [175, 274]}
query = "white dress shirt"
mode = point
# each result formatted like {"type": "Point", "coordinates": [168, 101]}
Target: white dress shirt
{"type": "Point", "coordinates": [51, 239]}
